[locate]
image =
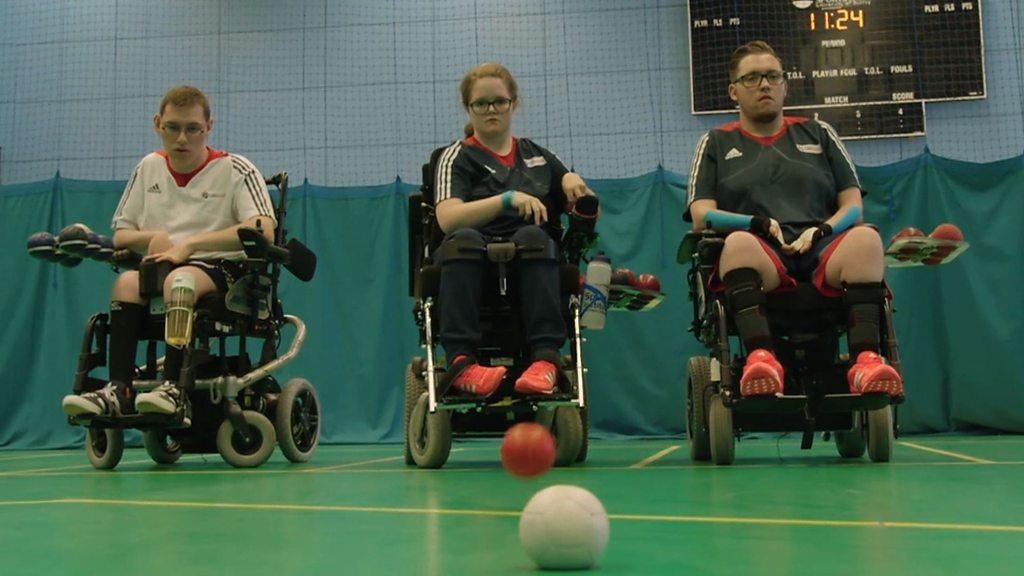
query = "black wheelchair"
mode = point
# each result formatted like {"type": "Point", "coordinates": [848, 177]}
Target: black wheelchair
{"type": "Point", "coordinates": [238, 408]}
{"type": "Point", "coordinates": [806, 327]}
{"type": "Point", "coordinates": [433, 415]}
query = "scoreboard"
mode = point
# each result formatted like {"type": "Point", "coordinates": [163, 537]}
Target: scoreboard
{"type": "Point", "coordinates": [844, 54]}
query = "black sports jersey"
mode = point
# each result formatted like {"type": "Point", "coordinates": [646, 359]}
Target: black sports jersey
{"type": "Point", "coordinates": [469, 172]}
{"type": "Point", "coordinates": [794, 176]}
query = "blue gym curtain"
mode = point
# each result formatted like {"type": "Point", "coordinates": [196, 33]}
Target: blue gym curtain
{"type": "Point", "coordinates": [958, 324]}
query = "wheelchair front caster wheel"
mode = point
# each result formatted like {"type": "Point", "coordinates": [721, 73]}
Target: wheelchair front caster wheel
{"type": "Point", "coordinates": [246, 453]}
{"type": "Point", "coordinates": [297, 421]}
{"type": "Point", "coordinates": [723, 438]}
{"type": "Point", "coordinates": [161, 447]}
{"type": "Point", "coordinates": [104, 447]}
{"type": "Point", "coordinates": [429, 436]}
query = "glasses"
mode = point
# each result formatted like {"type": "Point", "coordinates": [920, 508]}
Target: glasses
{"type": "Point", "coordinates": [753, 80]}
{"type": "Point", "coordinates": [174, 130]}
{"type": "Point", "coordinates": [499, 104]}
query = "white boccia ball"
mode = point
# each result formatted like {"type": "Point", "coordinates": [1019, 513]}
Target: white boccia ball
{"type": "Point", "coordinates": [564, 528]}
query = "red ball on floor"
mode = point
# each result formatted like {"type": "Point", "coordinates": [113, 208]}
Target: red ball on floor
{"type": "Point", "coordinates": [527, 450]}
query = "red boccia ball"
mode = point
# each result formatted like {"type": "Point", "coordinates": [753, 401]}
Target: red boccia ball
{"type": "Point", "coordinates": [527, 450]}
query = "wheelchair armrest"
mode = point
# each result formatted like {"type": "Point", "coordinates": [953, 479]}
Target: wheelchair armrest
{"type": "Point", "coordinates": [707, 244]}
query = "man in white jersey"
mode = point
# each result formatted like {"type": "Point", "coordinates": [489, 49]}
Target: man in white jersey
{"type": "Point", "coordinates": [183, 205]}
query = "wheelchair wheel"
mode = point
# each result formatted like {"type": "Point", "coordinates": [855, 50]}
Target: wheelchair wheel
{"type": "Point", "coordinates": [161, 447]}
{"type": "Point", "coordinates": [414, 387]}
{"type": "Point", "coordinates": [880, 436]}
{"type": "Point", "coordinates": [104, 447]}
{"type": "Point", "coordinates": [246, 454]}
{"type": "Point", "coordinates": [567, 428]}
{"type": "Point", "coordinates": [722, 437]}
{"type": "Point", "coordinates": [697, 384]}
{"type": "Point", "coordinates": [585, 440]}
{"type": "Point", "coordinates": [851, 444]}
{"type": "Point", "coordinates": [429, 436]}
{"type": "Point", "coordinates": [297, 420]}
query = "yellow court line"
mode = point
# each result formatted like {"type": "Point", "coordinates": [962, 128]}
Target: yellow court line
{"type": "Point", "coordinates": [655, 457]}
{"type": "Point", "coordinates": [946, 453]}
{"type": "Point", "coordinates": [353, 464]}
{"type": "Point", "coordinates": [44, 471]}
{"type": "Point", "coordinates": [36, 456]}
{"type": "Point", "coordinates": [513, 514]}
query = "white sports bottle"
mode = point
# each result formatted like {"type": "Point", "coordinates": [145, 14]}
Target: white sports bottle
{"type": "Point", "coordinates": [595, 292]}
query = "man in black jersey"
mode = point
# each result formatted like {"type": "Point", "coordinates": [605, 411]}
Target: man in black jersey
{"type": "Point", "coordinates": [787, 193]}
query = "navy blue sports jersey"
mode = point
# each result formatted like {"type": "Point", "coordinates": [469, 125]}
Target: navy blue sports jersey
{"type": "Point", "coordinates": [469, 172]}
{"type": "Point", "coordinates": [794, 176]}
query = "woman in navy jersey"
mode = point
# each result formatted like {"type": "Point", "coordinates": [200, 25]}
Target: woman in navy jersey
{"type": "Point", "coordinates": [494, 185]}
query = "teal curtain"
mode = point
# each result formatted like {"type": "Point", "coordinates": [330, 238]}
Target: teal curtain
{"type": "Point", "coordinates": [957, 323]}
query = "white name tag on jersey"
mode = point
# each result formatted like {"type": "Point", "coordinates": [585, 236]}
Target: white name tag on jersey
{"type": "Point", "coordinates": [809, 148]}
{"type": "Point", "coordinates": [535, 161]}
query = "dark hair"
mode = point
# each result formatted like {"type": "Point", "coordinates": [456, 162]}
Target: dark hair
{"type": "Point", "coordinates": [185, 96]}
{"type": "Point", "coordinates": [755, 47]}
{"type": "Point", "coordinates": [486, 70]}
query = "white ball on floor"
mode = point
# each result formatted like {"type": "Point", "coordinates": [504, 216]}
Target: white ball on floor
{"type": "Point", "coordinates": [564, 528]}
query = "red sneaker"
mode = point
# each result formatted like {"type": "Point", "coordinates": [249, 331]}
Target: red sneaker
{"type": "Point", "coordinates": [478, 380]}
{"type": "Point", "coordinates": [871, 374]}
{"type": "Point", "coordinates": [539, 378]}
{"type": "Point", "coordinates": [762, 375]}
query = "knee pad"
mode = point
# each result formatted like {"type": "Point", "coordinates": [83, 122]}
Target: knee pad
{"type": "Point", "coordinates": [864, 302]}
{"type": "Point", "coordinates": [743, 289]}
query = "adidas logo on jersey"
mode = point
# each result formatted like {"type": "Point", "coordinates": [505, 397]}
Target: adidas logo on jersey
{"type": "Point", "coordinates": [734, 153]}
{"type": "Point", "coordinates": [154, 189]}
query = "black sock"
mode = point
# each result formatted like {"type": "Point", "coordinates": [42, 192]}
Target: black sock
{"type": "Point", "coordinates": [746, 302]}
{"type": "Point", "coordinates": [126, 320]}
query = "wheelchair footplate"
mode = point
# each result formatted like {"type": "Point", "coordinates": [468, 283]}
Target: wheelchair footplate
{"type": "Point", "coordinates": [828, 403]}
{"type": "Point", "coordinates": [622, 297]}
{"type": "Point", "coordinates": [922, 251]}
{"type": "Point", "coordinates": [140, 421]}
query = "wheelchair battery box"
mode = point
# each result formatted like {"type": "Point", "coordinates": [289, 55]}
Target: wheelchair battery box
{"type": "Point", "coordinates": [151, 278]}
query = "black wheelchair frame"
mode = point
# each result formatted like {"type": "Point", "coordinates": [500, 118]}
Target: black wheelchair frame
{"type": "Point", "coordinates": [238, 408]}
{"type": "Point", "coordinates": [432, 417]}
{"type": "Point", "coordinates": [806, 328]}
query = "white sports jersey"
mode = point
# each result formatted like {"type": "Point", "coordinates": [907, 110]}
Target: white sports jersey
{"type": "Point", "coordinates": [225, 191]}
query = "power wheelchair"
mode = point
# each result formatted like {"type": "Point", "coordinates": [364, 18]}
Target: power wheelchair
{"type": "Point", "coordinates": [806, 327]}
{"type": "Point", "coordinates": [238, 408]}
{"type": "Point", "coordinates": [432, 414]}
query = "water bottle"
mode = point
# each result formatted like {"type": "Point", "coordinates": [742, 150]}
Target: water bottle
{"type": "Point", "coordinates": [178, 322]}
{"type": "Point", "coordinates": [595, 292]}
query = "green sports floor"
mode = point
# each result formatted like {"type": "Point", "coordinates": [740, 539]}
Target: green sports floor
{"type": "Point", "coordinates": [945, 505]}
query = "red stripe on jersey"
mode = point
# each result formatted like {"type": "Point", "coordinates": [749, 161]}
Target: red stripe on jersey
{"type": "Point", "coordinates": [182, 180]}
{"type": "Point", "coordinates": [507, 160]}
{"type": "Point", "coordinates": [787, 121]}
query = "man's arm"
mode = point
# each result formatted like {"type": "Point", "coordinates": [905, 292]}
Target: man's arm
{"type": "Point", "coordinates": [216, 241]}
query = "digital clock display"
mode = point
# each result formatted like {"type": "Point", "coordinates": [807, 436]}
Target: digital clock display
{"type": "Point", "coordinates": [842, 52]}
{"type": "Point", "coordinates": [841, 19]}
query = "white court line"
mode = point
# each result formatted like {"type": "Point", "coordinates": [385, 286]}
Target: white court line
{"type": "Point", "coordinates": [946, 453]}
{"type": "Point", "coordinates": [655, 457]}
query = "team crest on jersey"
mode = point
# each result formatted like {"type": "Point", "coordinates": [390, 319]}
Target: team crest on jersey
{"type": "Point", "coordinates": [734, 153]}
{"type": "Point", "coordinates": [154, 189]}
{"type": "Point", "coordinates": [535, 161]}
{"type": "Point", "coordinates": [809, 148]}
